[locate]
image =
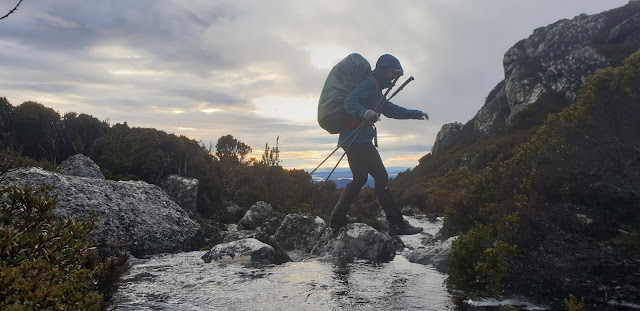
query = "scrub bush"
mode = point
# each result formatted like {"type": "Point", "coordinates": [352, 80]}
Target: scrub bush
{"type": "Point", "coordinates": [46, 263]}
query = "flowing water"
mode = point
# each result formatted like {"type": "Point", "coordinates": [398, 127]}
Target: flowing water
{"type": "Point", "coordinates": [184, 282]}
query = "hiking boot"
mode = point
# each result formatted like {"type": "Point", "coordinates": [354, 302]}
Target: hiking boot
{"type": "Point", "coordinates": [339, 216]}
{"type": "Point", "coordinates": [397, 224]}
{"type": "Point", "coordinates": [405, 230]}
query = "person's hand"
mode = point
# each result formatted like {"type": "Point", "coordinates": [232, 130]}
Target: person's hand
{"type": "Point", "coordinates": [371, 116]}
{"type": "Point", "coordinates": [424, 116]}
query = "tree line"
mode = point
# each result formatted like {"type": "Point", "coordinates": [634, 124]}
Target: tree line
{"type": "Point", "coordinates": [123, 152]}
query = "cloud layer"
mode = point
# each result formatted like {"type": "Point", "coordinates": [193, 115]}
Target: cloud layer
{"type": "Point", "coordinates": [254, 69]}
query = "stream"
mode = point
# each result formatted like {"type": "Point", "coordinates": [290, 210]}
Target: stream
{"type": "Point", "coordinates": [184, 282]}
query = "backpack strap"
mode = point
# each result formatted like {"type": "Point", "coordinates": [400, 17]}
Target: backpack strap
{"type": "Point", "coordinates": [378, 92]}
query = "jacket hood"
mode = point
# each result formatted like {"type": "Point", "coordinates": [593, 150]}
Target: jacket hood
{"type": "Point", "coordinates": [384, 63]}
{"type": "Point", "coordinates": [388, 61]}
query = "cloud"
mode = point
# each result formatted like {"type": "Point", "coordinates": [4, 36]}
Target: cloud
{"type": "Point", "coordinates": [254, 68]}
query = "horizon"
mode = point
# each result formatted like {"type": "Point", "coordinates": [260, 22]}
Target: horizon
{"type": "Point", "coordinates": [254, 70]}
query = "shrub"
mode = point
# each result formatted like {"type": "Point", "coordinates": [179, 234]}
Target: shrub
{"type": "Point", "coordinates": [573, 304]}
{"type": "Point", "coordinates": [46, 263]}
{"type": "Point", "coordinates": [480, 260]}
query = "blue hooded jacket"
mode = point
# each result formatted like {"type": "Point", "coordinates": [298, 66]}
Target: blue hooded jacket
{"type": "Point", "coordinates": [366, 95]}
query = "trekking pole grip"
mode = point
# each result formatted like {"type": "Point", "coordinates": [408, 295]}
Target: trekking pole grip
{"type": "Point", "coordinates": [402, 86]}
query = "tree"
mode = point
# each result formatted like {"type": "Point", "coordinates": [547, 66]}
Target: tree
{"type": "Point", "coordinates": [36, 130]}
{"type": "Point", "coordinates": [271, 157]}
{"type": "Point", "coordinates": [6, 134]}
{"type": "Point", "coordinates": [231, 149]}
{"type": "Point", "coordinates": [78, 133]}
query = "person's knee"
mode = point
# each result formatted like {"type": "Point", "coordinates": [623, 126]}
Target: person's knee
{"type": "Point", "coordinates": [359, 181]}
{"type": "Point", "coordinates": [381, 180]}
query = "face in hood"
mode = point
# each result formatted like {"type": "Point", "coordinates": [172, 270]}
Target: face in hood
{"type": "Point", "coordinates": [384, 63]}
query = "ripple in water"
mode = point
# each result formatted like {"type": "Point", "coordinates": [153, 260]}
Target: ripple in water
{"type": "Point", "coordinates": [184, 282]}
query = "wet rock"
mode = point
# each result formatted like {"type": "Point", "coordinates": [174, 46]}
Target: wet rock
{"type": "Point", "coordinates": [135, 216]}
{"type": "Point", "coordinates": [434, 252]}
{"type": "Point", "coordinates": [231, 236]}
{"type": "Point", "coordinates": [249, 251]}
{"type": "Point", "coordinates": [299, 232]}
{"type": "Point", "coordinates": [411, 211]}
{"type": "Point", "coordinates": [81, 166]}
{"type": "Point", "coordinates": [257, 214]}
{"type": "Point", "coordinates": [356, 241]}
{"type": "Point", "coordinates": [183, 191]}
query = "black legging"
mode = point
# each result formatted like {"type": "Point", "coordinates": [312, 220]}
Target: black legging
{"type": "Point", "coordinates": [364, 160]}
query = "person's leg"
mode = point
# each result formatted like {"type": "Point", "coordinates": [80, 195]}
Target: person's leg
{"type": "Point", "coordinates": [360, 176]}
{"type": "Point", "coordinates": [377, 170]}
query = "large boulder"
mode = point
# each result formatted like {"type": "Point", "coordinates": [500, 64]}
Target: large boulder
{"type": "Point", "coordinates": [299, 232]}
{"type": "Point", "coordinates": [356, 241]}
{"type": "Point", "coordinates": [257, 214]}
{"type": "Point", "coordinates": [433, 252]}
{"type": "Point", "coordinates": [250, 251]}
{"type": "Point", "coordinates": [136, 216]}
{"type": "Point", "coordinates": [81, 166]}
{"type": "Point", "coordinates": [232, 236]}
{"type": "Point", "coordinates": [183, 191]}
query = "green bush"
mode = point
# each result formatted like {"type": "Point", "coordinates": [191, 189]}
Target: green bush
{"type": "Point", "coordinates": [480, 260]}
{"type": "Point", "coordinates": [572, 304]}
{"type": "Point", "coordinates": [46, 263]}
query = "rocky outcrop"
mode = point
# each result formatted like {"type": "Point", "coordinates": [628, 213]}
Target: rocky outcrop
{"type": "Point", "coordinates": [356, 241]}
{"type": "Point", "coordinates": [446, 135]}
{"type": "Point", "coordinates": [80, 165]}
{"type": "Point", "coordinates": [136, 216]}
{"type": "Point", "coordinates": [257, 214]}
{"type": "Point", "coordinates": [299, 232]}
{"type": "Point", "coordinates": [547, 69]}
{"type": "Point", "coordinates": [250, 252]}
{"type": "Point", "coordinates": [183, 191]}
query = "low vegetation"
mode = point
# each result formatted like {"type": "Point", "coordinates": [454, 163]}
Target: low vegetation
{"type": "Point", "coordinates": [49, 263]}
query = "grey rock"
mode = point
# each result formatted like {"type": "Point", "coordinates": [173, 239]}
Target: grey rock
{"type": "Point", "coordinates": [411, 211]}
{"type": "Point", "coordinates": [272, 224]}
{"type": "Point", "coordinates": [257, 214]}
{"type": "Point", "coordinates": [550, 66]}
{"type": "Point", "coordinates": [299, 232]}
{"type": "Point", "coordinates": [446, 135]}
{"type": "Point", "coordinates": [356, 241]}
{"type": "Point", "coordinates": [248, 251]}
{"type": "Point", "coordinates": [183, 191]}
{"type": "Point", "coordinates": [81, 166]}
{"type": "Point", "coordinates": [434, 252]}
{"type": "Point", "coordinates": [138, 216]}
{"type": "Point", "coordinates": [232, 236]}
{"type": "Point", "coordinates": [232, 213]}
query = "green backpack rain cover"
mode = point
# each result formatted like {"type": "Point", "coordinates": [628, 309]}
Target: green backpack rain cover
{"type": "Point", "coordinates": [342, 79]}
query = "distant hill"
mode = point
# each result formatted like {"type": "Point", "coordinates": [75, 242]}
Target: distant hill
{"type": "Point", "coordinates": [342, 176]}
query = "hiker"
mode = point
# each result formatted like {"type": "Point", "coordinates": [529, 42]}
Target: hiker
{"type": "Point", "coordinates": [361, 153]}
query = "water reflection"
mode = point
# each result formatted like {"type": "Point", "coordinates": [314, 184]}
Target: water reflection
{"type": "Point", "coordinates": [184, 282]}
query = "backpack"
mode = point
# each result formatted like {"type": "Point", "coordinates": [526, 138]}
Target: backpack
{"type": "Point", "coordinates": [342, 79]}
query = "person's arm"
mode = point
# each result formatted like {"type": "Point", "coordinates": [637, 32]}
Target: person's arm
{"type": "Point", "coordinates": [360, 94]}
{"type": "Point", "coordinates": [391, 110]}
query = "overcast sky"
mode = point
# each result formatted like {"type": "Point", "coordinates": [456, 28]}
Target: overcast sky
{"type": "Point", "coordinates": [255, 68]}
